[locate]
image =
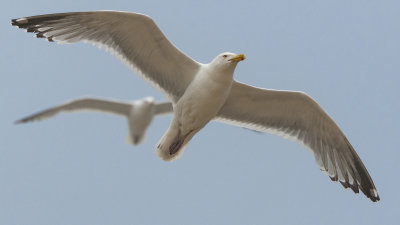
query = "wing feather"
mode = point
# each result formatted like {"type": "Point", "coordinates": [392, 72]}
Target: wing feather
{"type": "Point", "coordinates": [163, 108]}
{"type": "Point", "coordinates": [93, 104]}
{"type": "Point", "coordinates": [133, 38]}
{"type": "Point", "coordinates": [297, 116]}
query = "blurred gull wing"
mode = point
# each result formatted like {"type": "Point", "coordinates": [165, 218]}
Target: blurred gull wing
{"type": "Point", "coordinates": [133, 38]}
{"type": "Point", "coordinates": [297, 116]}
{"type": "Point", "coordinates": [163, 108]}
{"type": "Point", "coordinates": [92, 104]}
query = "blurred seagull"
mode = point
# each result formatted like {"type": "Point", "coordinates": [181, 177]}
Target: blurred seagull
{"type": "Point", "coordinates": [139, 113]}
{"type": "Point", "coordinates": [202, 92]}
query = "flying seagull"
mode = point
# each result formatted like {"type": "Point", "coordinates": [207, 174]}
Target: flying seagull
{"type": "Point", "coordinates": [139, 113]}
{"type": "Point", "coordinates": [202, 92]}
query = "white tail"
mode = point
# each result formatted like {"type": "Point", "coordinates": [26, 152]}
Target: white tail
{"type": "Point", "coordinates": [135, 139]}
{"type": "Point", "coordinates": [173, 143]}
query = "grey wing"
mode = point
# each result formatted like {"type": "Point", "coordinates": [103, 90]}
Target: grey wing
{"type": "Point", "coordinates": [163, 108]}
{"type": "Point", "coordinates": [92, 104]}
{"type": "Point", "coordinates": [297, 116]}
{"type": "Point", "coordinates": [133, 38]}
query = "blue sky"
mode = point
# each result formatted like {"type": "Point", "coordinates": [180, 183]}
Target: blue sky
{"type": "Point", "coordinates": [77, 168]}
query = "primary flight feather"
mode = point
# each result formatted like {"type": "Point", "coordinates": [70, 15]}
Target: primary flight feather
{"type": "Point", "coordinates": [203, 92]}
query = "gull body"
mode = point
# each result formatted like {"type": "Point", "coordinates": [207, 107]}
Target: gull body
{"type": "Point", "coordinates": [139, 113]}
{"type": "Point", "coordinates": [198, 105]}
{"type": "Point", "coordinates": [192, 87]}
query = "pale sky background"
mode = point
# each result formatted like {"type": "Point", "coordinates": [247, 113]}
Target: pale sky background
{"type": "Point", "coordinates": [77, 168]}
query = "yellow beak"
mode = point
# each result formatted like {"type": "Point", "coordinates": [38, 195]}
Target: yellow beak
{"type": "Point", "coordinates": [238, 58]}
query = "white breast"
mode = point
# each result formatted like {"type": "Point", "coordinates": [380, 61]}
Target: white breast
{"type": "Point", "coordinates": [139, 119]}
{"type": "Point", "coordinates": [203, 98]}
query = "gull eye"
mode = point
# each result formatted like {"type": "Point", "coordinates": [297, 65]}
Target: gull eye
{"type": "Point", "coordinates": [225, 56]}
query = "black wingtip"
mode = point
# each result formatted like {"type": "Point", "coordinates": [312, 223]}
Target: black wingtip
{"type": "Point", "coordinates": [31, 29]}
{"type": "Point", "coordinates": [19, 22]}
{"type": "Point", "coordinates": [334, 178]}
{"type": "Point", "coordinates": [373, 195]}
{"type": "Point", "coordinates": [363, 179]}
{"type": "Point", "coordinates": [19, 121]}
{"type": "Point", "coordinates": [355, 189]}
{"type": "Point", "coordinates": [14, 22]}
{"type": "Point", "coordinates": [375, 199]}
{"type": "Point", "coordinates": [345, 185]}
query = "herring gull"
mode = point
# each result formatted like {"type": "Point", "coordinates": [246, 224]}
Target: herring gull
{"type": "Point", "coordinates": [139, 113]}
{"type": "Point", "coordinates": [202, 92]}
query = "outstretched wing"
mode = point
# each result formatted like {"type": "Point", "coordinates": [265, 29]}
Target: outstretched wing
{"type": "Point", "coordinates": [133, 38]}
{"type": "Point", "coordinates": [297, 116]}
{"type": "Point", "coordinates": [93, 104]}
{"type": "Point", "coordinates": [163, 108]}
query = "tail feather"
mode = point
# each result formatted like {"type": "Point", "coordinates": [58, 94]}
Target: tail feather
{"type": "Point", "coordinates": [135, 139]}
{"type": "Point", "coordinates": [173, 143]}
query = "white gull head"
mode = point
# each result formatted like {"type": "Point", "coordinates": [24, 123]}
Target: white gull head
{"type": "Point", "coordinates": [226, 61]}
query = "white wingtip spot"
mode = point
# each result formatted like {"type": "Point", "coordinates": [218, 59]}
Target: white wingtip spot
{"type": "Point", "coordinates": [22, 20]}
{"type": "Point", "coordinates": [373, 192]}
